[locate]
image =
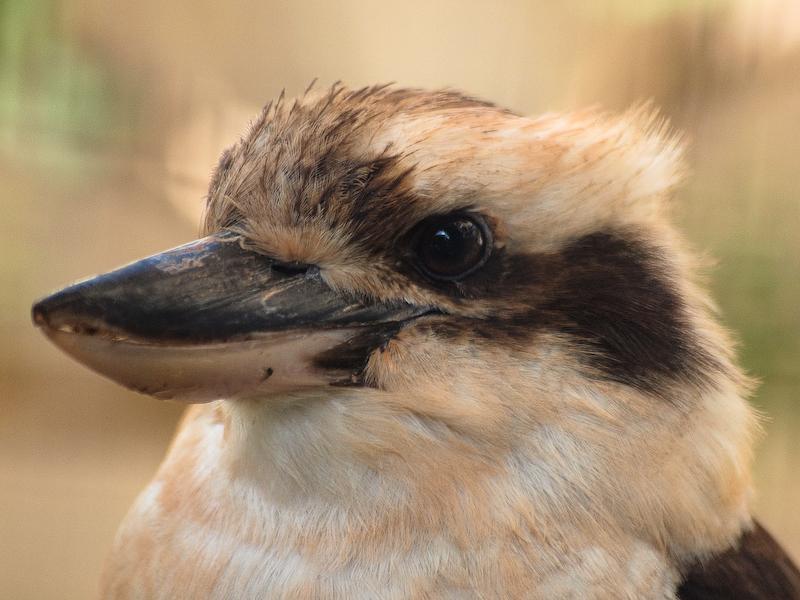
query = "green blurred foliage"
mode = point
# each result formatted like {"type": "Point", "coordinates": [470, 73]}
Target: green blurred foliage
{"type": "Point", "coordinates": [55, 99]}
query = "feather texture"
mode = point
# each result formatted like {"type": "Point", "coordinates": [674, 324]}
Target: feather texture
{"type": "Point", "coordinates": [568, 421]}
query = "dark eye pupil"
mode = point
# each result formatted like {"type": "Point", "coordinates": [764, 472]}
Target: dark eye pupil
{"type": "Point", "coordinates": [451, 247]}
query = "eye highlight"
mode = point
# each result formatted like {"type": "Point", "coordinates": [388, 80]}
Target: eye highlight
{"type": "Point", "coordinates": [451, 247]}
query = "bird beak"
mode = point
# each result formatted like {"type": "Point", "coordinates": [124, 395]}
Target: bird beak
{"type": "Point", "coordinates": [211, 320]}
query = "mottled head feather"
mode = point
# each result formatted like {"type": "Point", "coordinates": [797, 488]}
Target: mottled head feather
{"type": "Point", "coordinates": [339, 178]}
{"type": "Point", "coordinates": [348, 159]}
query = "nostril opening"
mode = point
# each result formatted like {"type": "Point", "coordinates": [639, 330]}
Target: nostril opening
{"type": "Point", "coordinates": [291, 268]}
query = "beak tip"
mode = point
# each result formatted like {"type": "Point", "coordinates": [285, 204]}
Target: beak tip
{"type": "Point", "coordinates": [39, 313]}
{"type": "Point", "coordinates": [60, 310]}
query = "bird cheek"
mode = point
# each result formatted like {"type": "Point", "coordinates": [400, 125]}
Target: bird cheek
{"type": "Point", "coordinates": [385, 366]}
{"type": "Point", "coordinates": [412, 360]}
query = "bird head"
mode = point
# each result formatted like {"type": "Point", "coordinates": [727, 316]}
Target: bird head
{"type": "Point", "coordinates": [454, 297]}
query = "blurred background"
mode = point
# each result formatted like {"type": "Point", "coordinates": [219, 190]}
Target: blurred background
{"type": "Point", "coordinates": [113, 114]}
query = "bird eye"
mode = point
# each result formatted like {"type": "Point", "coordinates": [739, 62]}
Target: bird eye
{"type": "Point", "coordinates": [452, 246]}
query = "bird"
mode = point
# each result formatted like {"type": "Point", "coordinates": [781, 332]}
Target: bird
{"type": "Point", "coordinates": [433, 349]}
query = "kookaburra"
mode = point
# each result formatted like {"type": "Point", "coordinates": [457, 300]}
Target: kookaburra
{"type": "Point", "coordinates": [436, 350]}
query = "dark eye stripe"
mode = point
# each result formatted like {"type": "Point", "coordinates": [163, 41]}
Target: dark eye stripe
{"type": "Point", "coordinates": [609, 293]}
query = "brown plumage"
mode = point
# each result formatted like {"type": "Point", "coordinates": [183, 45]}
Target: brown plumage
{"type": "Point", "coordinates": [754, 568]}
{"type": "Point", "coordinates": [461, 353]}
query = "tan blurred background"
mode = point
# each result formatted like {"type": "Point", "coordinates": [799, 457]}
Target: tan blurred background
{"type": "Point", "coordinates": [112, 115]}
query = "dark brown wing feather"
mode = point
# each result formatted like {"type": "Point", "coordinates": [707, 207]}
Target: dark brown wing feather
{"type": "Point", "coordinates": [757, 569]}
